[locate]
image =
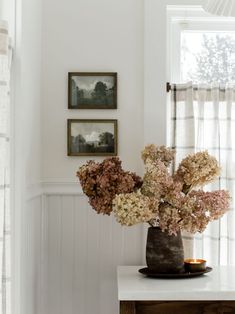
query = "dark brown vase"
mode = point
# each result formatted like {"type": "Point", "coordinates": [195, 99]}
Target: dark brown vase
{"type": "Point", "coordinates": [164, 252]}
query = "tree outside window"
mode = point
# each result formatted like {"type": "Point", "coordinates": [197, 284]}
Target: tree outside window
{"type": "Point", "coordinates": [208, 57]}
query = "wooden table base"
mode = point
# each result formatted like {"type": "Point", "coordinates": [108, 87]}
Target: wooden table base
{"type": "Point", "coordinates": [177, 307]}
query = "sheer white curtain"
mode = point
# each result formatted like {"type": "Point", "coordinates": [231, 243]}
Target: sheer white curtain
{"type": "Point", "coordinates": [5, 282]}
{"type": "Point", "coordinates": [203, 118]}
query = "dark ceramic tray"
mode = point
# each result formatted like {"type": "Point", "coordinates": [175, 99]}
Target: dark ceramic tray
{"type": "Point", "coordinates": [145, 271]}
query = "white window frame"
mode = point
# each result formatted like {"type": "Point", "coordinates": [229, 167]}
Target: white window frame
{"type": "Point", "coordinates": [189, 19]}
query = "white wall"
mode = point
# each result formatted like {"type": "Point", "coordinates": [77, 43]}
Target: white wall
{"type": "Point", "coordinates": [32, 248]}
{"type": "Point", "coordinates": [26, 94]}
{"type": "Point", "coordinates": [69, 254]}
{"type": "Point", "coordinates": [155, 65]}
{"type": "Point", "coordinates": [31, 87]}
{"type": "Point", "coordinates": [90, 35]}
{"type": "Point", "coordinates": [26, 153]}
{"type": "Point", "coordinates": [82, 249]}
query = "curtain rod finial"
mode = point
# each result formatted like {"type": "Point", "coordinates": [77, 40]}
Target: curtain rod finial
{"type": "Point", "coordinates": [168, 87]}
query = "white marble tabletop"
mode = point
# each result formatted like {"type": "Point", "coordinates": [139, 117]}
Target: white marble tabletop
{"type": "Point", "coordinates": [217, 285]}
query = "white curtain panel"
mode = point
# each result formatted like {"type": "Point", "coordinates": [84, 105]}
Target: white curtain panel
{"type": "Point", "coordinates": [220, 7]}
{"type": "Point", "coordinates": [203, 118]}
{"type": "Point", "coordinates": [5, 269]}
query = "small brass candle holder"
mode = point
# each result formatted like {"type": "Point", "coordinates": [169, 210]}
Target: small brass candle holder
{"type": "Point", "coordinates": [193, 265]}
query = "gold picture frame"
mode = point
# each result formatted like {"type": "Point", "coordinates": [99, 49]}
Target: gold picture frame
{"type": "Point", "coordinates": [92, 137]}
{"type": "Point", "coordinates": [92, 90]}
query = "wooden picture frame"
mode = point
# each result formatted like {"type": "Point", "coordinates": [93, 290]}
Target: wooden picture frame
{"type": "Point", "coordinates": [92, 90]}
{"type": "Point", "coordinates": [92, 137]}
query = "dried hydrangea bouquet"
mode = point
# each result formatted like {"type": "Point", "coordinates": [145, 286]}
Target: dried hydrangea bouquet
{"type": "Point", "coordinates": [168, 203]}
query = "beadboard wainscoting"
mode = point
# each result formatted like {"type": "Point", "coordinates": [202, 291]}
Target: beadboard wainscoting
{"type": "Point", "coordinates": [71, 253]}
{"type": "Point", "coordinates": [32, 256]}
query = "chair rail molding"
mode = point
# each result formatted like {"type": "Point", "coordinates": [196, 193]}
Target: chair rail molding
{"type": "Point", "coordinates": [61, 187]}
{"type": "Point", "coordinates": [53, 187]}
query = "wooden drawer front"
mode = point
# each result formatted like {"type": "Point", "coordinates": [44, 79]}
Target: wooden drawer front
{"type": "Point", "coordinates": [173, 307]}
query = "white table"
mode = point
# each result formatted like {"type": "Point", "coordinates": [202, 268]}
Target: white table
{"type": "Point", "coordinates": [211, 293]}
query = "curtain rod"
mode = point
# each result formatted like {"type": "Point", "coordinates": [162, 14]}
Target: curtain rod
{"type": "Point", "coordinates": [170, 87]}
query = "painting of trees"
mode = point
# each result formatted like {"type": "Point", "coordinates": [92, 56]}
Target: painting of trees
{"type": "Point", "coordinates": [93, 91]}
{"type": "Point", "coordinates": [92, 137]}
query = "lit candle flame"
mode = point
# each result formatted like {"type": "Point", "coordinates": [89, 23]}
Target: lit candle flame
{"type": "Point", "coordinates": [195, 261]}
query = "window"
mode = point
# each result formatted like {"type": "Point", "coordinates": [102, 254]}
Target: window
{"type": "Point", "coordinates": [202, 47]}
{"type": "Point", "coordinates": [207, 57]}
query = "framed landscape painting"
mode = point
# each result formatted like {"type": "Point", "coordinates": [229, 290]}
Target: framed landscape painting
{"type": "Point", "coordinates": [92, 90]}
{"type": "Point", "coordinates": [92, 137]}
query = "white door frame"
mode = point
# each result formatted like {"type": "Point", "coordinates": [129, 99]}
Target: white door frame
{"type": "Point", "coordinates": [155, 68]}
